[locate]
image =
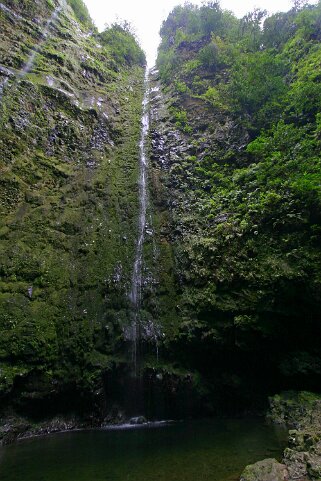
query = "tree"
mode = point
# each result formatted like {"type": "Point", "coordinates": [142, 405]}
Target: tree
{"type": "Point", "coordinates": [278, 29]}
{"type": "Point", "coordinates": [81, 12]}
{"type": "Point", "coordinates": [251, 28]}
{"type": "Point", "coordinates": [123, 44]}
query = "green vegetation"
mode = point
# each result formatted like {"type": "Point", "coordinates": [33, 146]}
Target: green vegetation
{"type": "Point", "coordinates": [81, 12]}
{"type": "Point", "coordinates": [125, 49]}
{"type": "Point", "coordinates": [244, 188]}
{"type": "Point", "coordinates": [231, 274]}
{"type": "Point", "coordinates": [70, 131]}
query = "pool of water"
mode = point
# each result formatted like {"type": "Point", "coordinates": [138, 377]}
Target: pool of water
{"type": "Point", "coordinates": [215, 450]}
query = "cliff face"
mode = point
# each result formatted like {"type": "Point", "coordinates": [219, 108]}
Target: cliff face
{"type": "Point", "coordinates": [70, 128]}
{"type": "Point", "coordinates": [236, 158]}
{"type": "Point", "coordinates": [230, 278]}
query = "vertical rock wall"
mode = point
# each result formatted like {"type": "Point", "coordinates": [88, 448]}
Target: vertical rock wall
{"type": "Point", "coordinates": [70, 127]}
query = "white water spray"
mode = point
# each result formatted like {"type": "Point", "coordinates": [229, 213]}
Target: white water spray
{"type": "Point", "coordinates": [135, 293]}
{"type": "Point", "coordinates": [31, 60]}
{"type": "Point", "coordinates": [10, 12]}
{"type": "Point", "coordinates": [44, 34]}
{"type": "Point", "coordinates": [3, 84]}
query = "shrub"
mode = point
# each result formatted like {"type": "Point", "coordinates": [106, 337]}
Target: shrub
{"type": "Point", "coordinates": [81, 12]}
{"type": "Point", "coordinates": [123, 44]}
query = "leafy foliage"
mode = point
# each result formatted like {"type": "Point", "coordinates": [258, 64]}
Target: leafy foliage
{"type": "Point", "coordinates": [246, 204]}
{"type": "Point", "coordinates": [123, 45]}
{"type": "Point", "coordinates": [81, 12]}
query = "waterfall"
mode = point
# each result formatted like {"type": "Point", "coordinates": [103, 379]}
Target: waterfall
{"type": "Point", "coordinates": [10, 12]}
{"type": "Point", "coordinates": [3, 84]}
{"type": "Point", "coordinates": [31, 59]}
{"type": "Point", "coordinates": [137, 271]}
{"type": "Point", "coordinates": [136, 285]}
{"type": "Point", "coordinates": [30, 62]}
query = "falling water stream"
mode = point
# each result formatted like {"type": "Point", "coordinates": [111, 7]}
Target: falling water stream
{"type": "Point", "coordinates": [31, 60]}
{"type": "Point", "coordinates": [214, 450]}
{"type": "Point", "coordinates": [135, 293]}
{"type": "Point", "coordinates": [27, 67]}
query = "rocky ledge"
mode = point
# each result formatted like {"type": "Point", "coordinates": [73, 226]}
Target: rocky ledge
{"type": "Point", "coordinates": [301, 412]}
{"type": "Point", "coordinates": [14, 428]}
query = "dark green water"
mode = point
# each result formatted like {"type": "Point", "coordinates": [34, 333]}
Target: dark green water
{"type": "Point", "coordinates": [192, 451]}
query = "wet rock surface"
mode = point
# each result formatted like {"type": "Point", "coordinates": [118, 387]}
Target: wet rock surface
{"type": "Point", "coordinates": [266, 470]}
{"type": "Point", "coordinates": [302, 458]}
{"type": "Point", "coordinates": [70, 128]}
{"type": "Point", "coordinates": [13, 429]}
{"type": "Point", "coordinates": [138, 420]}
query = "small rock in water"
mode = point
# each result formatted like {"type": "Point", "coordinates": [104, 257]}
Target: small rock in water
{"type": "Point", "coordinates": [138, 420]}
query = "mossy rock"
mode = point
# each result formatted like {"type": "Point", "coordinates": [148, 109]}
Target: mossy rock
{"type": "Point", "coordinates": [300, 409]}
{"type": "Point", "coordinates": [61, 237]}
{"type": "Point", "coordinates": [266, 470]}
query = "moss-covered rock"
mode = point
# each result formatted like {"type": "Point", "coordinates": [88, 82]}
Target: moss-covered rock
{"type": "Point", "coordinates": [70, 129]}
{"type": "Point", "coordinates": [302, 410]}
{"type": "Point", "coordinates": [298, 409]}
{"type": "Point", "coordinates": [267, 470]}
{"type": "Point", "coordinates": [235, 161]}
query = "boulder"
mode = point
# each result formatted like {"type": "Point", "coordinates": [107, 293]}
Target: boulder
{"type": "Point", "coordinates": [295, 462]}
{"type": "Point", "coordinates": [138, 420]}
{"type": "Point", "coordinates": [266, 470]}
{"type": "Point", "coordinates": [314, 466]}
